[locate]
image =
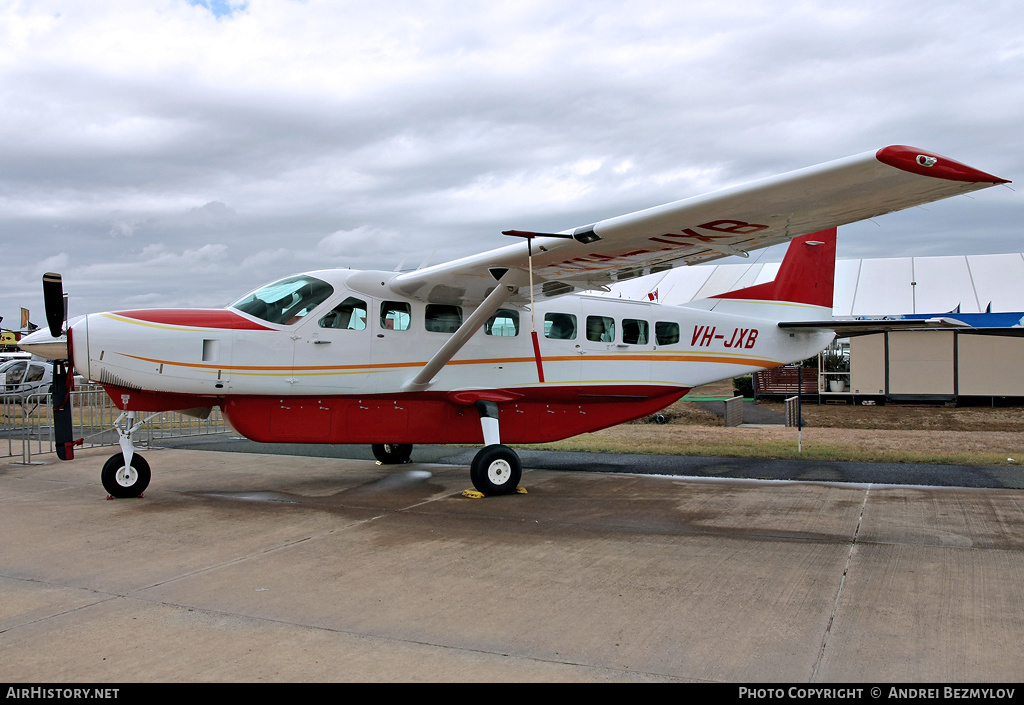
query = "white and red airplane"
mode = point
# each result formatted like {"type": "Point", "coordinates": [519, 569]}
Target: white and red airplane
{"type": "Point", "coordinates": [499, 347]}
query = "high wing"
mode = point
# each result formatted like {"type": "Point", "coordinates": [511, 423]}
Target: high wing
{"type": "Point", "coordinates": [696, 230]}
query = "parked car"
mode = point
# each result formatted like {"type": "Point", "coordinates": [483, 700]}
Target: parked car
{"type": "Point", "coordinates": [20, 379]}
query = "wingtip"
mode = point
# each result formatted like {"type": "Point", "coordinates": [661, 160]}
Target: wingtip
{"type": "Point", "coordinates": [925, 163]}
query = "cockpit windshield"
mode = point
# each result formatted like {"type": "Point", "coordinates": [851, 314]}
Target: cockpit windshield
{"type": "Point", "coordinates": [285, 301]}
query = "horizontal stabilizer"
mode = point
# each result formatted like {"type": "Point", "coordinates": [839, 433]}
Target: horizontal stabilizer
{"type": "Point", "coordinates": [848, 328]}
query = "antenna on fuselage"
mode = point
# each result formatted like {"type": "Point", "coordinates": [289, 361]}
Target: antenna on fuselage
{"type": "Point", "coordinates": [429, 257]}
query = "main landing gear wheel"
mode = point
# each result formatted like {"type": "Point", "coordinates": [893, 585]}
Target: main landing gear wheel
{"type": "Point", "coordinates": [392, 453]}
{"type": "Point", "coordinates": [123, 481]}
{"type": "Point", "coordinates": [496, 470]}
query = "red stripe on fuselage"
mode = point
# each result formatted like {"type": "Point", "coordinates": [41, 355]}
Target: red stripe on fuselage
{"type": "Point", "coordinates": [194, 317]}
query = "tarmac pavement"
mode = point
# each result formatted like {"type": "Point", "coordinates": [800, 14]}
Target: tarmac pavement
{"type": "Point", "coordinates": [248, 567]}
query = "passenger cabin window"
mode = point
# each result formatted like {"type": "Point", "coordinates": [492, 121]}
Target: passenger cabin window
{"type": "Point", "coordinates": [286, 301]}
{"type": "Point", "coordinates": [395, 315]}
{"type": "Point", "coordinates": [601, 329]}
{"type": "Point", "coordinates": [666, 333]}
{"type": "Point", "coordinates": [635, 332]}
{"type": "Point", "coordinates": [560, 326]}
{"type": "Point", "coordinates": [504, 322]}
{"type": "Point", "coordinates": [350, 314]}
{"type": "Point", "coordinates": [442, 318]}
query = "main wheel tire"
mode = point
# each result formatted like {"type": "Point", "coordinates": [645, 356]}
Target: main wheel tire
{"type": "Point", "coordinates": [123, 482]}
{"type": "Point", "coordinates": [392, 453]}
{"type": "Point", "coordinates": [496, 470]}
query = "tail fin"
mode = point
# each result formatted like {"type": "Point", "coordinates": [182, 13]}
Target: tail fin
{"type": "Point", "coordinates": [805, 280]}
{"type": "Point", "coordinates": [806, 276]}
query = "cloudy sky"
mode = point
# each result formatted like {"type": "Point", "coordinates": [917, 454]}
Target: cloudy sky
{"type": "Point", "coordinates": [180, 153]}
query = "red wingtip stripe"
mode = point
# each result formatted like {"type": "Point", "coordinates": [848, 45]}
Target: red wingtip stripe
{"type": "Point", "coordinates": [919, 161]}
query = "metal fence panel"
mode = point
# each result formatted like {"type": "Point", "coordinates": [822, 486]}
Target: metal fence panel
{"type": "Point", "coordinates": [734, 411]}
{"type": "Point", "coordinates": [27, 424]}
{"type": "Point", "coordinates": [793, 411]}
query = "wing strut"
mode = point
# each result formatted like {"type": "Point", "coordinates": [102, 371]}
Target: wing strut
{"type": "Point", "coordinates": [507, 285]}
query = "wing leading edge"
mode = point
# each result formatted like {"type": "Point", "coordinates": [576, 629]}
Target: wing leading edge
{"type": "Point", "coordinates": [695, 230]}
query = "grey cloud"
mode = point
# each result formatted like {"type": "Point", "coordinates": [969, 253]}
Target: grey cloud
{"type": "Point", "coordinates": [272, 130]}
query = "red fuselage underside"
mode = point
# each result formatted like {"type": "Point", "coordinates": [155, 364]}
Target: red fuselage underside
{"type": "Point", "coordinates": [533, 416]}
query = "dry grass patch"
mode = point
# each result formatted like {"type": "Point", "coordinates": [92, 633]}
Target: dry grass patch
{"type": "Point", "coordinates": [965, 435]}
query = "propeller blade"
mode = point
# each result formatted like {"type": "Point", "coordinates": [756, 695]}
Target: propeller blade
{"type": "Point", "coordinates": [53, 301]}
{"type": "Point", "coordinates": [63, 430]}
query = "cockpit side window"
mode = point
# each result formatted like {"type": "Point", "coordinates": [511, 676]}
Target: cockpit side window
{"type": "Point", "coordinates": [350, 314]}
{"type": "Point", "coordinates": [286, 301]}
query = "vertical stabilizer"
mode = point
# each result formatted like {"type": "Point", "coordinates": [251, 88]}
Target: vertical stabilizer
{"type": "Point", "coordinates": [802, 289]}
{"type": "Point", "coordinates": [806, 276]}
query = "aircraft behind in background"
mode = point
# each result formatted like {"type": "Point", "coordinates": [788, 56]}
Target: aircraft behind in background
{"type": "Point", "coordinates": [497, 348]}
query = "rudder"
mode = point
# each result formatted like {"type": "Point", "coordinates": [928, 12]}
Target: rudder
{"type": "Point", "coordinates": [806, 275]}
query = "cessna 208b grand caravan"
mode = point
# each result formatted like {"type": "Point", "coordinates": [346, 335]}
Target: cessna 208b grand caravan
{"type": "Point", "coordinates": [499, 347]}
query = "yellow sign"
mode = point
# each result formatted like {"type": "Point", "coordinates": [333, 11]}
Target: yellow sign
{"type": "Point", "coordinates": [7, 338]}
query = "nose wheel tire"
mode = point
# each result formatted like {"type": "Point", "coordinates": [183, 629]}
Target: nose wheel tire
{"type": "Point", "coordinates": [123, 481]}
{"type": "Point", "coordinates": [496, 470]}
{"type": "Point", "coordinates": [392, 453]}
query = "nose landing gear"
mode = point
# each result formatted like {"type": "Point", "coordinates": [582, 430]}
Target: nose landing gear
{"type": "Point", "coordinates": [126, 474]}
{"type": "Point", "coordinates": [122, 480]}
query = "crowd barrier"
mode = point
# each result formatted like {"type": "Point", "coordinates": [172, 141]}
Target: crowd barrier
{"type": "Point", "coordinates": [27, 424]}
